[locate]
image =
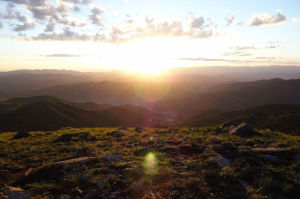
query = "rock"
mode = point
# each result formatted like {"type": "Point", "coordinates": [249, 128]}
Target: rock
{"type": "Point", "coordinates": [75, 160]}
{"type": "Point", "coordinates": [242, 130]}
{"type": "Point", "coordinates": [271, 158]}
{"type": "Point", "coordinates": [227, 150]}
{"type": "Point", "coordinates": [112, 157]}
{"type": "Point", "coordinates": [222, 162]}
{"type": "Point", "coordinates": [17, 193]}
{"type": "Point", "coordinates": [123, 128]}
{"type": "Point", "coordinates": [139, 129]}
{"type": "Point", "coordinates": [21, 134]}
{"type": "Point", "coordinates": [116, 134]}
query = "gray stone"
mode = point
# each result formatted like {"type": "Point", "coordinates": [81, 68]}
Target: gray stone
{"type": "Point", "coordinates": [222, 162]}
{"type": "Point", "coordinates": [243, 129]}
{"type": "Point", "coordinates": [139, 129]}
{"type": "Point", "coordinates": [21, 134]}
{"type": "Point", "coordinates": [124, 128]}
{"type": "Point", "coordinates": [75, 160]}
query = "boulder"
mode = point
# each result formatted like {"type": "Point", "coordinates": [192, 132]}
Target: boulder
{"type": "Point", "coordinates": [21, 134]}
{"type": "Point", "coordinates": [123, 128]}
{"type": "Point", "coordinates": [222, 162]}
{"type": "Point", "coordinates": [71, 161]}
{"type": "Point", "coordinates": [17, 193]}
{"type": "Point", "coordinates": [139, 129]}
{"type": "Point", "coordinates": [227, 150]}
{"type": "Point", "coordinates": [242, 130]}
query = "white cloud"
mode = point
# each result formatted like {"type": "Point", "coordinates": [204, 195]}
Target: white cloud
{"type": "Point", "coordinates": [296, 20]}
{"type": "Point", "coordinates": [231, 21]}
{"type": "Point", "coordinates": [26, 24]}
{"type": "Point", "coordinates": [266, 19]}
{"type": "Point", "coordinates": [96, 16]}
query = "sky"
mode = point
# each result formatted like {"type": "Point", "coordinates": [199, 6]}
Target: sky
{"type": "Point", "coordinates": [147, 36]}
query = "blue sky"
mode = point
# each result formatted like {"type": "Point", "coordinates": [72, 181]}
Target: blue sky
{"type": "Point", "coordinates": [147, 35]}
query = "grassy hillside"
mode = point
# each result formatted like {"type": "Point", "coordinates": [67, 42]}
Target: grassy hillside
{"type": "Point", "coordinates": [279, 117]}
{"type": "Point", "coordinates": [156, 163]}
{"type": "Point", "coordinates": [47, 113]}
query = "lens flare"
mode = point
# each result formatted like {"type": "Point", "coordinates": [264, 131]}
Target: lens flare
{"type": "Point", "coordinates": [150, 163]}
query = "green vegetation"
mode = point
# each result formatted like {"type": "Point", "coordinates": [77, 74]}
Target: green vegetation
{"type": "Point", "coordinates": [155, 163]}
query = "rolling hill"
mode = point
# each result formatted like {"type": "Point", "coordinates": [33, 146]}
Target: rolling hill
{"type": "Point", "coordinates": [235, 96]}
{"type": "Point", "coordinates": [277, 117]}
{"type": "Point", "coordinates": [50, 114]}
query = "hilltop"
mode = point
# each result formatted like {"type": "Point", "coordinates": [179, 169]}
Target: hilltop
{"type": "Point", "coordinates": [151, 163]}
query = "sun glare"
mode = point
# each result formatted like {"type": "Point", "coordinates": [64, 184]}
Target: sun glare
{"type": "Point", "coordinates": [143, 56]}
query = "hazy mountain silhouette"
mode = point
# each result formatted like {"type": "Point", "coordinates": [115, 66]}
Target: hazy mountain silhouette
{"type": "Point", "coordinates": [235, 96]}
{"type": "Point", "coordinates": [50, 113]}
{"type": "Point", "coordinates": [279, 117]}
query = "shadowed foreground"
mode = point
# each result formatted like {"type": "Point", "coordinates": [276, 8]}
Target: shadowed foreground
{"type": "Point", "coordinates": [150, 163]}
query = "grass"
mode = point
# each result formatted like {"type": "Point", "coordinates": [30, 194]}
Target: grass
{"type": "Point", "coordinates": [184, 164]}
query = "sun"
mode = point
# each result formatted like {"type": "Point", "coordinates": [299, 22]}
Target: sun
{"type": "Point", "coordinates": [144, 56]}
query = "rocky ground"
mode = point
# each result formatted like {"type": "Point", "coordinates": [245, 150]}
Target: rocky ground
{"type": "Point", "coordinates": [217, 162]}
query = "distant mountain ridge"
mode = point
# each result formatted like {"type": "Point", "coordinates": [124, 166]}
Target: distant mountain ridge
{"type": "Point", "coordinates": [235, 96]}
{"type": "Point", "coordinates": [48, 113]}
{"type": "Point", "coordinates": [277, 117]}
